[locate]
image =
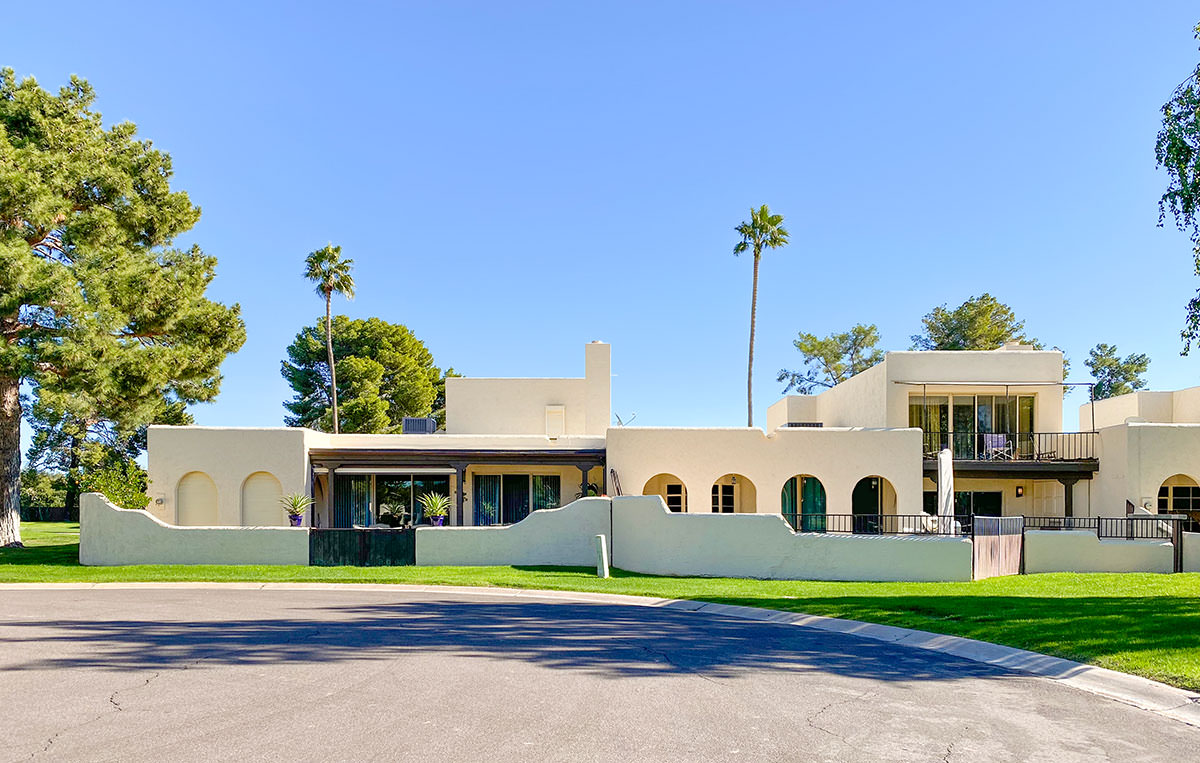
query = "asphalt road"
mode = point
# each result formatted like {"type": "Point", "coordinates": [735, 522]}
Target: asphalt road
{"type": "Point", "coordinates": [184, 674]}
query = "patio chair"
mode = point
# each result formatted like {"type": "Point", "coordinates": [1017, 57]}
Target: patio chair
{"type": "Point", "coordinates": [997, 446]}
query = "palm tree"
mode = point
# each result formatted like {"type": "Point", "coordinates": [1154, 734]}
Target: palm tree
{"type": "Point", "coordinates": [763, 230]}
{"type": "Point", "coordinates": [331, 273]}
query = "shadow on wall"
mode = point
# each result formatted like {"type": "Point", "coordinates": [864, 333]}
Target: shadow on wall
{"type": "Point", "coordinates": [612, 641]}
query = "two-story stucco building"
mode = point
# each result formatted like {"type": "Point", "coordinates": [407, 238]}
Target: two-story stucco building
{"type": "Point", "coordinates": [864, 448]}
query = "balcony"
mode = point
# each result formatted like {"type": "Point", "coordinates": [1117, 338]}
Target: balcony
{"type": "Point", "coordinates": [1006, 447]}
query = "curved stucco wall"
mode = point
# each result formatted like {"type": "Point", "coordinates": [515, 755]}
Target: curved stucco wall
{"type": "Point", "coordinates": [648, 538]}
{"type": "Point", "coordinates": [112, 536]}
{"type": "Point", "coordinates": [1082, 551]}
{"type": "Point", "coordinates": [564, 537]}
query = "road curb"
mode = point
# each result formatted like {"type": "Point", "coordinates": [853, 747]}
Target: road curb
{"type": "Point", "coordinates": [1153, 696]}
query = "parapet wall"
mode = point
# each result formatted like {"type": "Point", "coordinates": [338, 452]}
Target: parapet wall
{"type": "Point", "coordinates": [564, 537]}
{"type": "Point", "coordinates": [648, 538]}
{"type": "Point", "coordinates": [112, 536]}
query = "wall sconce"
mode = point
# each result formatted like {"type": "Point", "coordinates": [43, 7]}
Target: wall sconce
{"type": "Point", "coordinates": [159, 501]}
{"type": "Point", "coordinates": [1020, 491]}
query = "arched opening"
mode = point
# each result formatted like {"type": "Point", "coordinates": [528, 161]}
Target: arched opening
{"type": "Point", "coordinates": [1179, 494]}
{"type": "Point", "coordinates": [670, 488]}
{"type": "Point", "coordinates": [872, 497]}
{"type": "Point", "coordinates": [802, 503]}
{"type": "Point", "coordinates": [196, 500]}
{"type": "Point", "coordinates": [734, 494]}
{"type": "Point", "coordinates": [260, 501]}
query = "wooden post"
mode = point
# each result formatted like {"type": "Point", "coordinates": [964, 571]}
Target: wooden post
{"type": "Point", "coordinates": [329, 507]}
{"type": "Point", "coordinates": [1177, 543]}
{"type": "Point", "coordinates": [1069, 497]}
{"type": "Point", "coordinates": [583, 470]}
{"type": "Point", "coordinates": [460, 474]}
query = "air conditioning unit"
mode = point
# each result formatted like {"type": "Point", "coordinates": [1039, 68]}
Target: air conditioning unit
{"type": "Point", "coordinates": [419, 425]}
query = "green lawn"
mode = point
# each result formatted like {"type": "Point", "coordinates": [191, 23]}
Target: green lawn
{"type": "Point", "coordinates": [1138, 623]}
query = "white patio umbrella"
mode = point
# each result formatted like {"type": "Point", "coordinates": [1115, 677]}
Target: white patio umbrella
{"type": "Point", "coordinates": [945, 491]}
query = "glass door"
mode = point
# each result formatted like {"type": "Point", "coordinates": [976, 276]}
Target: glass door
{"type": "Point", "coordinates": [964, 426]}
{"type": "Point", "coordinates": [487, 499]}
{"type": "Point", "coordinates": [352, 500]}
{"type": "Point", "coordinates": [514, 498]}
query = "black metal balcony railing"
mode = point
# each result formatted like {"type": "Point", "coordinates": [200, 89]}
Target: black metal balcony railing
{"type": "Point", "coordinates": [879, 524]}
{"type": "Point", "coordinates": [1009, 446]}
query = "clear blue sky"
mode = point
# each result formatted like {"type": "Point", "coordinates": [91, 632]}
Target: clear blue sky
{"type": "Point", "coordinates": [513, 180]}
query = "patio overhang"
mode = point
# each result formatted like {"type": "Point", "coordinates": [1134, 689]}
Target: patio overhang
{"type": "Point", "coordinates": [454, 461]}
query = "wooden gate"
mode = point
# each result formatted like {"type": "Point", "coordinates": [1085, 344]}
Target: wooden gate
{"type": "Point", "coordinates": [361, 548]}
{"type": "Point", "coordinates": [997, 546]}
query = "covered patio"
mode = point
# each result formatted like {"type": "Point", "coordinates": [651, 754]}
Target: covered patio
{"type": "Point", "coordinates": [502, 486]}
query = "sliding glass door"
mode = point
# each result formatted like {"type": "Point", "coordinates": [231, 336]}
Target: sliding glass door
{"type": "Point", "coordinates": [508, 498]}
{"type": "Point", "coordinates": [975, 426]}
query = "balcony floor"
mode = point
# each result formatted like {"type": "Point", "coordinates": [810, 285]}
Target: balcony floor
{"type": "Point", "coordinates": [1083, 469]}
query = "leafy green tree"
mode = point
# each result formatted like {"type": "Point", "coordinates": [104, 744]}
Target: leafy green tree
{"type": "Point", "coordinates": [95, 301]}
{"type": "Point", "coordinates": [762, 231]}
{"type": "Point", "coordinates": [384, 374]}
{"type": "Point", "coordinates": [42, 489]}
{"type": "Point", "coordinates": [331, 273]}
{"type": "Point", "coordinates": [980, 323]}
{"type": "Point", "coordinates": [69, 444]}
{"type": "Point", "coordinates": [832, 359]}
{"type": "Point", "coordinates": [123, 483]}
{"type": "Point", "coordinates": [1115, 375]}
{"type": "Point", "coordinates": [1178, 151]}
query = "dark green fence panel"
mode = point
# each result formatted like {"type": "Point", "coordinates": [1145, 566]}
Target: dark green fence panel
{"type": "Point", "coordinates": [362, 548]}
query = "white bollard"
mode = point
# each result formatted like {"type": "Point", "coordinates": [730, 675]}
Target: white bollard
{"type": "Point", "coordinates": [601, 556]}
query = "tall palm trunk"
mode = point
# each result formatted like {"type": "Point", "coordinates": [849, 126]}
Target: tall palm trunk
{"type": "Point", "coordinates": [10, 462]}
{"type": "Point", "coordinates": [750, 363]}
{"type": "Point", "coordinates": [329, 354]}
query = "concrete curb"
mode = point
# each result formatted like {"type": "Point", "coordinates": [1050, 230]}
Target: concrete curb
{"type": "Point", "coordinates": [1168, 701]}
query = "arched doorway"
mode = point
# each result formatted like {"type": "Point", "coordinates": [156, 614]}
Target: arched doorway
{"type": "Point", "coordinates": [872, 497]}
{"type": "Point", "coordinates": [670, 488]}
{"type": "Point", "coordinates": [196, 500]}
{"type": "Point", "coordinates": [734, 494]}
{"type": "Point", "coordinates": [260, 501]}
{"type": "Point", "coordinates": [802, 503]}
{"type": "Point", "coordinates": [1179, 494]}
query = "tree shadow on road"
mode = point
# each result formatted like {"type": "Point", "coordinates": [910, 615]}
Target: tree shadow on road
{"type": "Point", "coordinates": [605, 639]}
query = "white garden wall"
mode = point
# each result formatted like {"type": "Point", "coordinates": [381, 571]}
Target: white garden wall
{"type": "Point", "coordinates": [112, 536]}
{"type": "Point", "coordinates": [648, 538]}
{"type": "Point", "coordinates": [1082, 551]}
{"type": "Point", "coordinates": [1191, 552]}
{"type": "Point", "coordinates": [561, 537]}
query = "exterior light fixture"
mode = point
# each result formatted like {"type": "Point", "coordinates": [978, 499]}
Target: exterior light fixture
{"type": "Point", "coordinates": [1020, 491]}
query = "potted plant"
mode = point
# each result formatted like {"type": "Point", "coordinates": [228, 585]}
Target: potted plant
{"type": "Point", "coordinates": [295, 504]}
{"type": "Point", "coordinates": [393, 514]}
{"type": "Point", "coordinates": [436, 506]}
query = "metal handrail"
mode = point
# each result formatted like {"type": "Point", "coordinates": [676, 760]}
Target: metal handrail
{"type": "Point", "coordinates": [880, 524]}
{"type": "Point", "coordinates": [1012, 446]}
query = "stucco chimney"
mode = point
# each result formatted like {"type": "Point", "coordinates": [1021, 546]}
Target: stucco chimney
{"type": "Point", "coordinates": [598, 372]}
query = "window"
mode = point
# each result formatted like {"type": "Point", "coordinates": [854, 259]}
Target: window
{"type": "Point", "coordinates": [722, 499]}
{"type": "Point", "coordinates": [675, 498]}
{"type": "Point", "coordinates": [400, 495]}
{"type": "Point", "coordinates": [985, 503]}
{"type": "Point", "coordinates": [974, 426]}
{"type": "Point", "coordinates": [508, 498]}
{"type": "Point", "coordinates": [1178, 499]}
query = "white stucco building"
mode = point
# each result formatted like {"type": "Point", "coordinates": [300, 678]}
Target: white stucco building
{"type": "Point", "coordinates": [860, 451]}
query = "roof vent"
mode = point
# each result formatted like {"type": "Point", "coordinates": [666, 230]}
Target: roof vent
{"type": "Point", "coordinates": [419, 425]}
